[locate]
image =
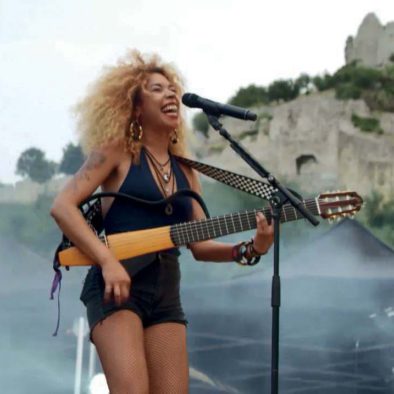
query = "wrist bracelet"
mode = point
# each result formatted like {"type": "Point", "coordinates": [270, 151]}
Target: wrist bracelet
{"type": "Point", "coordinates": [240, 252]}
{"type": "Point", "coordinates": [252, 251]}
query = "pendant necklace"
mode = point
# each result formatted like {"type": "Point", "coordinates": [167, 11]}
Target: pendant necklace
{"type": "Point", "coordinates": [166, 176]}
{"type": "Point", "coordinates": [164, 180]}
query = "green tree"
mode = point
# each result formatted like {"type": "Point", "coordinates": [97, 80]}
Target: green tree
{"type": "Point", "coordinates": [32, 163]}
{"type": "Point", "coordinates": [283, 90]}
{"type": "Point", "coordinates": [347, 91]}
{"type": "Point", "coordinates": [302, 82]}
{"type": "Point", "coordinates": [72, 159]}
{"type": "Point", "coordinates": [249, 96]}
{"type": "Point", "coordinates": [324, 82]}
{"type": "Point", "coordinates": [367, 78]}
{"type": "Point", "coordinates": [359, 76]}
{"type": "Point", "coordinates": [200, 123]}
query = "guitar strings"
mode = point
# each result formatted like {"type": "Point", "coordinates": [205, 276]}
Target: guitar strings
{"type": "Point", "coordinates": [241, 221]}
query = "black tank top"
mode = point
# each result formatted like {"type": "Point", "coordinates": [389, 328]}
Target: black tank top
{"type": "Point", "coordinates": [126, 215]}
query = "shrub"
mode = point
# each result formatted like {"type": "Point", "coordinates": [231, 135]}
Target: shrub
{"type": "Point", "coordinates": [200, 123]}
{"type": "Point", "coordinates": [249, 96]}
{"type": "Point", "coordinates": [369, 125]}
{"type": "Point", "coordinates": [379, 100]}
{"type": "Point", "coordinates": [324, 82]}
{"type": "Point", "coordinates": [347, 91]}
{"type": "Point", "coordinates": [283, 89]}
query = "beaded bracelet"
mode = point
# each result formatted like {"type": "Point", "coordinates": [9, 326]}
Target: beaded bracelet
{"type": "Point", "coordinates": [240, 251]}
{"type": "Point", "coordinates": [252, 251]}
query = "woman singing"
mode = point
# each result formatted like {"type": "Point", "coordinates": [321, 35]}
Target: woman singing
{"type": "Point", "coordinates": [131, 129]}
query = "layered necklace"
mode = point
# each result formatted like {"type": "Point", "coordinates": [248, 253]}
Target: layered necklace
{"type": "Point", "coordinates": [164, 176]}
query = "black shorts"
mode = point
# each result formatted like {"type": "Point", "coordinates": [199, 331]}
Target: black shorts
{"type": "Point", "coordinates": [154, 293]}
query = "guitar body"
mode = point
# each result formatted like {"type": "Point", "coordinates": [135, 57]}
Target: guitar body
{"type": "Point", "coordinates": [123, 245]}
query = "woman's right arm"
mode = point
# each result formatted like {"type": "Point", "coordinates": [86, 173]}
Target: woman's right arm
{"type": "Point", "coordinates": [96, 169]}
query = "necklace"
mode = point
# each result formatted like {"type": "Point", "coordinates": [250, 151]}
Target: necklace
{"type": "Point", "coordinates": [164, 182]}
{"type": "Point", "coordinates": [166, 176]}
{"type": "Point", "coordinates": [165, 187]}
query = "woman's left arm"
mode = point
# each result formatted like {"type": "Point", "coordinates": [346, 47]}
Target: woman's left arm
{"type": "Point", "coordinates": [221, 251]}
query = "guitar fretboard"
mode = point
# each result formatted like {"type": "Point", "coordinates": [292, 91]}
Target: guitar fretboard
{"type": "Point", "coordinates": [204, 229]}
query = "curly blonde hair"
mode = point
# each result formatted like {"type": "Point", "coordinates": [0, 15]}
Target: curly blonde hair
{"type": "Point", "coordinates": [105, 114]}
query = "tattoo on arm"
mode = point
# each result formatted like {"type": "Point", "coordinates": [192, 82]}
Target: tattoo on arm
{"type": "Point", "coordinates": [94, 161]}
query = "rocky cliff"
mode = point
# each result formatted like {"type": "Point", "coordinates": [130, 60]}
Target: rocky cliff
{"type": "Point", "coordinates": [311, 142]}
{"type": "Point", "coordinates": [373, 45]}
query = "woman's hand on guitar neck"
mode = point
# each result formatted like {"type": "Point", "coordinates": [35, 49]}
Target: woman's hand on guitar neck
{"type": "Point", "coordinates": [264, 236]}
{"type": "Point", "coordinates": [117, 282]}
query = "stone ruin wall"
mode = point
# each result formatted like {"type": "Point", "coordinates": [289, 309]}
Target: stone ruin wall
{"type": "Point", "coordinates": [373, 45]}
{"type": "Point", "coordinates": [312, 142]}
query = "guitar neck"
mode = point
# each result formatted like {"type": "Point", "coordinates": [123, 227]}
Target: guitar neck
{"type": "Point", "coordinates": [202, 230]}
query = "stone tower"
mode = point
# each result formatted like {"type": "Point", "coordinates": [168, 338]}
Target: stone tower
{"type": "Point", "coordinates": [373, 45]}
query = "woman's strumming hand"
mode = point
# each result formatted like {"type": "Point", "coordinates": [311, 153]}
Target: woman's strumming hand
{"type": "Point", "coordinates": [117, 282]}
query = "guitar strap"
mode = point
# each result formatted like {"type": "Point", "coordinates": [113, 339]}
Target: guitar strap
{"type": "Point", "coordinates": [92, 210]}
{"type": "Point", "coordinates": [237, 181]}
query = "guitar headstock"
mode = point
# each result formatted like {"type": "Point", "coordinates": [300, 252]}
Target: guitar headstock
{"type": "Point", "coordinates": [333, 205]}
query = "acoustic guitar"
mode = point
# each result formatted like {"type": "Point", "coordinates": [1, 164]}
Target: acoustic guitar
{"type": "Point", "coordinates": [136, 243]}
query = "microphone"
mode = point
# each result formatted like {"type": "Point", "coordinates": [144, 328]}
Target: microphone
{"type": "Point", "coordinates": [213, 108]}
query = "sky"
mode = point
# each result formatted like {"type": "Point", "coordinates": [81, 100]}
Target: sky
{"type": "Point", "coordinates": [50, 50]}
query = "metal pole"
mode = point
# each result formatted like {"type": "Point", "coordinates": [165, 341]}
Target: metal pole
{"type": "Point", "coordinates": [275, 304]}
{"type": "Point", "coordinates": [92, 361]}
{"type": "Point", "coordinates": [78, 363]}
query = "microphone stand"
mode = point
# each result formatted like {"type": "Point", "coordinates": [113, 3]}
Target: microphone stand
{"type": "Point", "coordinates": [281, 196]}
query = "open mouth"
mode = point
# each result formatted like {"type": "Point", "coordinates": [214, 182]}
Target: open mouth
{"type": "Point", "coordinates": [170, 109]}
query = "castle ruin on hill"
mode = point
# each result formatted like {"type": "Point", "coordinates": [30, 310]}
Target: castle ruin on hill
{"type": "Point", "coordinates": [373, 45]}
{"type": "Point", "coordinates": [311, 141]}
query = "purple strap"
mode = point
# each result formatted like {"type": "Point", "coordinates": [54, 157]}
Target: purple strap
{"type": "Point", "coordinates": [57, 283]}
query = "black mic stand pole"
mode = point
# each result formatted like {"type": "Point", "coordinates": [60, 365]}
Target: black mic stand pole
{"type": "Point", "coordinates": [280, 197]}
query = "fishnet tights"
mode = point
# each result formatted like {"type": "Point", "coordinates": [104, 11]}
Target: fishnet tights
{"type": "Point", "coordinates": [166, 355]}
{"type": "Point", "coordinates": [138, 361]}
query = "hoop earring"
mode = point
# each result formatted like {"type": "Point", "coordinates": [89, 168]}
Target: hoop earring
{"type": "Point", "coordinates": [136, 131]}
{"type": "Point", "coordinates": [174, 137]}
